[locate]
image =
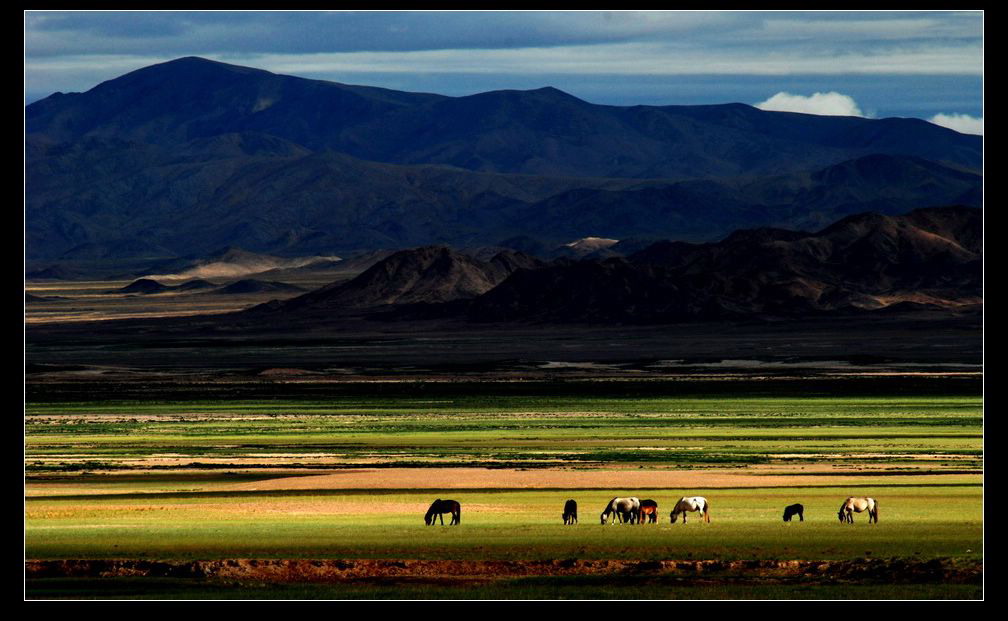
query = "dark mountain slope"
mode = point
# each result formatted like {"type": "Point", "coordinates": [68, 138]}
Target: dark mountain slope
{"type": "Point", "coordinates": [103, 198]}
{"type": "Point", "coordinates": [186, 156]}
{"type": "Point", "coordinates": [252, 285]}
{"type": "Point", "coordinates": [862, 262]}
{"type": "Point", "coordinates": [430, 275]}
{"type": "Point", "coordinates": [542, 131]}
{"type": "Point", "coordinates": [215, 192]}
{"type": "Point", "coordinates": [177, 101]}
{"type": "Point", "coordinates": [694, 209]}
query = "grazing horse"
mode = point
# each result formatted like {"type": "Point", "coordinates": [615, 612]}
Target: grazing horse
{"type": "Point", "coordinates": [626, 509]}
{"type": "Point", "coordinates": [857, 505]}
{"type": "Point", "coordinates": [691, 503]}
{"type": "Point", "coordinates": [440, 507]}
{"type": "Point", "coordinates": [650, 509]}
{"type": "Point", "coordinates": [792, 510]}
{"type": "Point", "coordinates": [570, 512]}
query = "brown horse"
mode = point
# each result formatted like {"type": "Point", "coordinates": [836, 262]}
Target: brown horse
{"type": "Point", "coordinates": [440, 507]}
{"type": "Point", "coordinates": [857, 505]}
{"type": "Point", "coordinates": [650, 509]}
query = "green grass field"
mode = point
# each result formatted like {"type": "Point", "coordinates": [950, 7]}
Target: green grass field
{"type": "Point", "coordinates": [156, 481]}
{"type": "Point", "coordinates": [915, 521]}
{"type": "Point", "coordinates": [526, 431]}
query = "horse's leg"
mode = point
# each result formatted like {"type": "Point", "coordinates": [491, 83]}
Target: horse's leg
{"type": "Point", "coordinates": [441, 516]}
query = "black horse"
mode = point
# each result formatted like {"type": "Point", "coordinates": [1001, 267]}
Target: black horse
{"type": "Point", "coordinates": [440, 507]}
{"type": "Point", "coordinates": [649, 508]}
{"type": "Point", "coordinates": [570, 512]}
{"type": "Point", "coordinates": [791, 510]}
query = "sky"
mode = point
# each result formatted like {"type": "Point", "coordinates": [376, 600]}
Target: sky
{"type": "Point", "coordinates": [924, 64]}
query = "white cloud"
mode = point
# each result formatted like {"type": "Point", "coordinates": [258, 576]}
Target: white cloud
{"type": "Point", "coordinates": [962, 123]}
{"type": "Point", "coordinates": [827, 104]}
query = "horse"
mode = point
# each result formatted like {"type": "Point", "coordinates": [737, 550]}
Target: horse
{"type": "Point", "coordinates": [570, 512]}
{"type": "Point", "coordinates": [792, 510]}
{"type": "Point", "coordinates": [626, 509]}
{"type": "Point", "coordinates": [650, 509]}
{"type": "Point", "coordinates": [440, 507]}
{"type": "Point", "coordinates": [856, 505]}
{"type": "Point", "coordinates": [691, 503]}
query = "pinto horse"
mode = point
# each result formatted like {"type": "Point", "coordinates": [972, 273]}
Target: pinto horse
{"type": "Point", "coordinates": [650, 509]}
{"type": "Point", "coordinates": [691, 503]}
{"type": "Point", "coordinates": [857, 505]}
{"type": "Point", "coordinates": [626, 509]}
{"type": "Point", "coordinates": [792, 510]}
{"type": "Point", "coordinates": [439, 508]}
{"type": "Point", "coordinates": [570, 512]}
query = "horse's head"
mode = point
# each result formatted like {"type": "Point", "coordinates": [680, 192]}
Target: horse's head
{"type": "Point", "coordinates": [840, 514]}
{"type": "Point", "coordinates": [672, 516]}
{"type": "Point", "coordinates": [603, 516]}
{"type": "Point", "coordinates": [427, 519]}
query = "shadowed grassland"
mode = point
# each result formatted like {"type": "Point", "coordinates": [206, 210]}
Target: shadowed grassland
{"type": "Point", "coordinates": [537, 588]}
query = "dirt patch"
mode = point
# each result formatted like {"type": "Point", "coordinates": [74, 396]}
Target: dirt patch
{"type": "Point", "coordinates": [888, 571]}
{"type": "Point", "coordinates": [509, 478]}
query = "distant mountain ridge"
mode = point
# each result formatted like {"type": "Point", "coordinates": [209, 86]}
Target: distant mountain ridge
{"type": "Point", "coordinates": [186, 156]}
{"type": "Point", "coordinates": [498, 131]}
{"type": "Point", "coordinates": [930, 258]}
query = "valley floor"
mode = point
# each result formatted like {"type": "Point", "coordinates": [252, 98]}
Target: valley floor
{"type": "Point", "coordinates": [304, 498]}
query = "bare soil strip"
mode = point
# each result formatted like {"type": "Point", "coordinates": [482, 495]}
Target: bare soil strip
{"type": "Point", "coordinates": [896, 570]}
{"type": "Point", "coordinates": [469, 478]}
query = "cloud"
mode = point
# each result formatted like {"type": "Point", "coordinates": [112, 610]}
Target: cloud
{"type": "Point", "coordinates": [962, 123]}
{"type": "Point", "coordinates": [827, 104]}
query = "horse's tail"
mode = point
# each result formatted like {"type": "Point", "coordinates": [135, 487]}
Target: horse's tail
{"type": "Point", "coordinates": [458, 514]}
{"type": "Point", "coordinates": [876, 510]}
{"type": "Point", "coordinates": [706, 511]}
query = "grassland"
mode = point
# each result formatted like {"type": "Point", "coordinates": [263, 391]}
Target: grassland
{"type": "Point", "coordinates": [941, 432]}
{"type": "Point", "coordinates": [348, 479]}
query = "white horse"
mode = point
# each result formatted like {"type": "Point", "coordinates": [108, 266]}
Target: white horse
{"type": "Point", "coordinates": [691, 503]}
{"type": "Point", "coordinates": [857, 505]}
{"type": "Point", "coordinates": [626, 509]}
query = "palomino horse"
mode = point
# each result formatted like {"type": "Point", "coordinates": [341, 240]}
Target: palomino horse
{"type": "Point", "coordinates": [440, 507]}
{"type": "Point", "coordinates": [857, 505]}
{"type": "Point", "coordinates": [570, 512]}
{"type": "Point", "coordinates": [691, 503]}
{"type": "Point", "coordinates": [792, 510]}
{"type": "Point", "coordinates": [626, 509]}
{"type": "Point", "coordinates": [650, 509]}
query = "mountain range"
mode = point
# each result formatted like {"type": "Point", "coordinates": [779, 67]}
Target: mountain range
{"type": "Point", "coordinates": [185, 157]}
{"type": "Point", "coordinates": [929, 258]}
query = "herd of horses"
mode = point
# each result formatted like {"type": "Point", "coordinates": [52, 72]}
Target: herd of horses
{"type": "Point", "coordinates": [632, 510]}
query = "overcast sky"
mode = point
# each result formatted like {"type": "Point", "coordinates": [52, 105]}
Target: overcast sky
{"type": "Point", "coordinates": [876, 64]}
